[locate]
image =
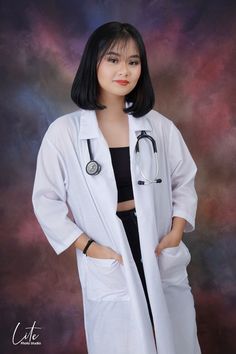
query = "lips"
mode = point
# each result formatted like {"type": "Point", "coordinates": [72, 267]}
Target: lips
{"type": "Point", "coordinates": [122, 82]}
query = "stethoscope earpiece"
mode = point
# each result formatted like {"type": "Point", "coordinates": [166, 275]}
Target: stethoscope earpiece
{"type": "Point", "coordinates": [141, 183]}
{"type": "Point", "coordinates": [146, 180]}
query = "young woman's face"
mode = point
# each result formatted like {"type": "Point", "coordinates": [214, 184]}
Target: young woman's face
{"type": "Point", "coordinates": [119, 69]}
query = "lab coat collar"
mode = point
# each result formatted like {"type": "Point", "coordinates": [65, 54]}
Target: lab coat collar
{"type": "Point", "coordinates": [89, 128]}
{"type": "Point", "coordinates": [139, 124]}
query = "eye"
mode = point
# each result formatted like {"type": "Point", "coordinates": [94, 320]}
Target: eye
{"type": "Point", "coordinates": [134, 62]}
{"type": "Point", "coordinates": [113, 60]}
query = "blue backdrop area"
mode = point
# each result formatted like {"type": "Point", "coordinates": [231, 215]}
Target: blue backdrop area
{"type": "Point", "coordinates": [191, 53]}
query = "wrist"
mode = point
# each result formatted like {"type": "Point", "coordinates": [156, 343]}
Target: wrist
{"type": "Point", "coordinates": [88, 244]}
{"type": "Point", "coordinates": [93, 250]}
{"type": "Point", "coordinates": [176, 235]}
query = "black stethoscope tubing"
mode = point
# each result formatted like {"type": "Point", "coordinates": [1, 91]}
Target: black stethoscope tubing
{"type": "Point", "coordinates": [93, 168]}
{"type": "Point", "coordinates": [146, 136]}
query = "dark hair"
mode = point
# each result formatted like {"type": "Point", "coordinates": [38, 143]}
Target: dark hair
{"type": "Point", "coordinates": [85, 86]}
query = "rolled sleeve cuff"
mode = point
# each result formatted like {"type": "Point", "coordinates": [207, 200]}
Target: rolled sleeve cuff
{"type": "Point", "coordinates": [190, 224]}
{"type": "Point", "coordinates": [60, 246]}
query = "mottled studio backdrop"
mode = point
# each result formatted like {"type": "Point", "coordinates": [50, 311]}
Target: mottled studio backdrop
{"type": "Point", "coordinates": [191, 46]}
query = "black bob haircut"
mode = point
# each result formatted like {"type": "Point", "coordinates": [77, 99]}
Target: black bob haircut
{"type": "Point", "coordinates": [85, 87]}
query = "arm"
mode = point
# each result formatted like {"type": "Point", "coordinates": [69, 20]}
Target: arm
{"type": "Point", "coordinates": [183, 171]}
{"type": "Point", "coordinates": [184, 198]}
{"type": "Point", "coordinates": [173, 238]}
{"type": "Point", "coordinates": [96, 250]}
{"type": "Point", "coordinates": [49, 197]}
{"type": "Point", "coordinates": [50, 204]}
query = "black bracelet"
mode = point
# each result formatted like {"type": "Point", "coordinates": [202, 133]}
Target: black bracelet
{"type": "Point", "coordinates": [87, 245]}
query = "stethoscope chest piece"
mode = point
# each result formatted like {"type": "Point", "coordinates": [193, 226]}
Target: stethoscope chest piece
{"type": "Point", "coordinates": [93, 168]}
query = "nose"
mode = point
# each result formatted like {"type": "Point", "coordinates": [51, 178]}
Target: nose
{"type": "Point", "coordinates": [123, 69]}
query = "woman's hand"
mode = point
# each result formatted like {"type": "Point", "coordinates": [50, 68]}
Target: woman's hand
{"type": "Point", "coordinates": [173, 238]}
{"type": "Point", "coordinates": [96, 250]}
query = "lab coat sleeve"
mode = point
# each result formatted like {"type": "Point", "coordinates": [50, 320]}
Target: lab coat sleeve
{"type": "Point", "coordinates": [49, 198]}
{"type": "Point", "coordinates": [183, 171]}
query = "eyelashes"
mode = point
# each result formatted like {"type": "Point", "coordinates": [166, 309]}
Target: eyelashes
{"type": "Point", "coordinates": [114, 60]}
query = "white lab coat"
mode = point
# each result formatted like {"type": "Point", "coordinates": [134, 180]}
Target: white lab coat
{"type": "Point", "coordinates": [115, 310]}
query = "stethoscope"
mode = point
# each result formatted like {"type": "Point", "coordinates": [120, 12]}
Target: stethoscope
{"type": "Point", "coordinates": [93, 168]}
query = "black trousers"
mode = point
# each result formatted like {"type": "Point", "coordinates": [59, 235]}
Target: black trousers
{"type": "Point", "coordinates": [130, 224]}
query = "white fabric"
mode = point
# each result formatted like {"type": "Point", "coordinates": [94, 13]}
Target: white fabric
{"type": "Point", "coordinates": [115, 310]}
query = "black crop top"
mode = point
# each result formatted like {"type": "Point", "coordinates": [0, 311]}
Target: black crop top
{"type": "Point", "coordinates": [121, 166]}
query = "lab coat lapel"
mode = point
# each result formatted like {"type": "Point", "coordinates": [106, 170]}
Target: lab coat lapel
{"type": "Point", "coordinates": [146, 209]}
{"type": "Point", "coordinates": [102, 187]}
{"type": "Point", "coordinates": [89, 129]}
{"type": "Point", "coordinates": [105, 182]}
{"type": "Point", "coordinates": [142, 193]}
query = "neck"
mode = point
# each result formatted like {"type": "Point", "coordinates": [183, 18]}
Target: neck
{"type": "Point", "coordinates": [114, 107]}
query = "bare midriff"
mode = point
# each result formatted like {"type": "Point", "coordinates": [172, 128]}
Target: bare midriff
{"type": "Point", "coordinates": [127, 205]}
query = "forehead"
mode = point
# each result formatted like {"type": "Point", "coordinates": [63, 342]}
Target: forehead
{"type": "Point", "coordinates": [124, 47]}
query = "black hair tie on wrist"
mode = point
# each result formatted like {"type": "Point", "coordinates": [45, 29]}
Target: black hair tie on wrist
{"type": "Point", "coordinates": [87, 245]}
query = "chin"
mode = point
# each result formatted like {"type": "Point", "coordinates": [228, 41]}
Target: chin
{"type": "Point", "coordinates": [123, 92]}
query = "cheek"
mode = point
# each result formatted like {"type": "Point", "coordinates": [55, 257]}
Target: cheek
{"type": "Point", "coordinates": [103, 74]}
{"type": "Point", "coordinates": [99, 74]}
{"type": "Point", "coordinates": [137, 74]}
{"type": "Point", "coordinates": [137, 71]}
{"type": "Point", "coordinates": [101, 70]}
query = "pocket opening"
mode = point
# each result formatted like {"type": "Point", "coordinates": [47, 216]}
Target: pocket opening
{"type": "Point", "coordinates": [105, 280]}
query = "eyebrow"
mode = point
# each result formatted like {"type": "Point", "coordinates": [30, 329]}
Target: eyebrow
{"type": "Point", "coordinates": [118, 55]}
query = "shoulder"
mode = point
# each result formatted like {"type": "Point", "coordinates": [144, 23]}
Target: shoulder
{"type": "Point", "coordinates": [63, 129]}
{"type": "Point", "coordinates": [159, 122]}
{"type": "Point", "coordinates": [64, 123]}
{"type": "Point", "coordinates": [167, 129]}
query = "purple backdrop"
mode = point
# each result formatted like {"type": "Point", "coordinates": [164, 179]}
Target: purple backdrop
{"type": "Point", "coordinates": [192, 58]}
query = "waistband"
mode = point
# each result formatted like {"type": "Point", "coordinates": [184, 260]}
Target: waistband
{"type": "Point", "coordinates": [126, 213]}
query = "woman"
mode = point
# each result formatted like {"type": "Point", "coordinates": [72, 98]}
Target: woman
{"type": "Point", "coordinates": [130, 208]}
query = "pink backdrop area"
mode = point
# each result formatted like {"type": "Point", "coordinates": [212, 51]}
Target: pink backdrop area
{"type": "Point", "coordinates": [191, 51]}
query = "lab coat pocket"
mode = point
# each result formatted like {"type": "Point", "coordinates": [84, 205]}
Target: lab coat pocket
{"type": "Point", "coordinates": [173, 262]}
{"type": "Point", "coordinates": [105, 280]}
